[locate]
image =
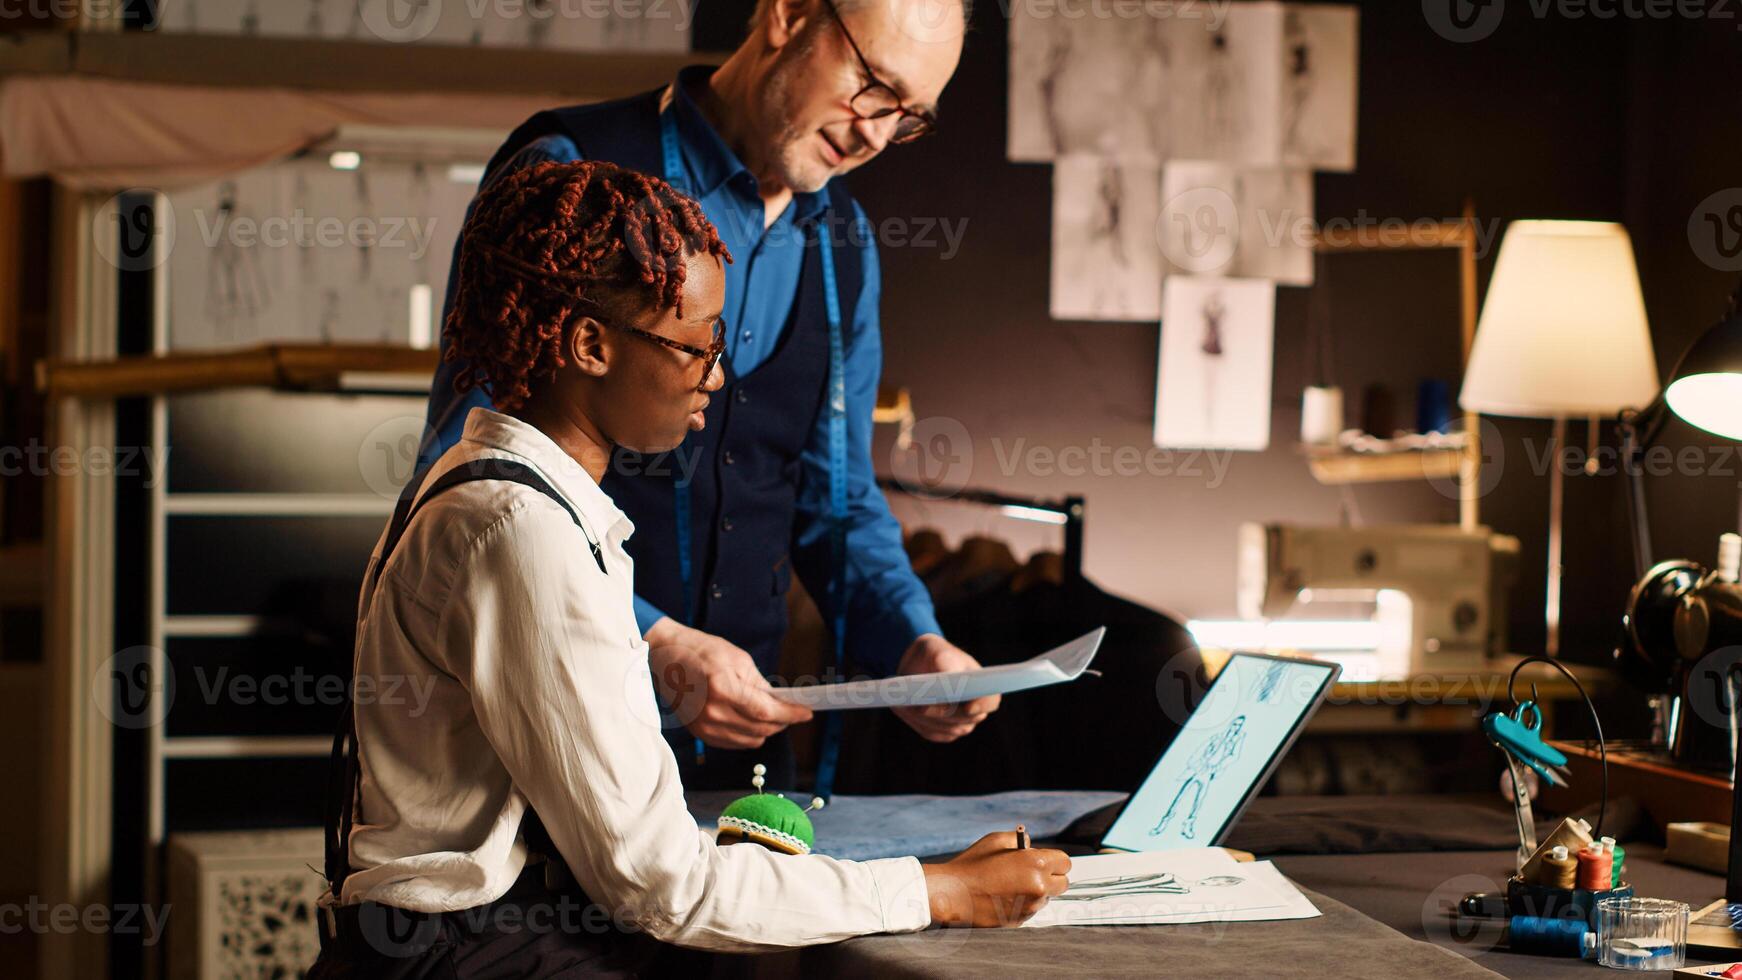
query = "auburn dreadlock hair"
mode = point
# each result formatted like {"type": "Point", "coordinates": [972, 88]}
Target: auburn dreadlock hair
{"type": "Point", "coordinates": [548, 240]}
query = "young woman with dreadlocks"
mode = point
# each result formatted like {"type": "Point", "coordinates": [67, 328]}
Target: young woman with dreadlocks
{"type": "Point", "coordinates": [504, 803]}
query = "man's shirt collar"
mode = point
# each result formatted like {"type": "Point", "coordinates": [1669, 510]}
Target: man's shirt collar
{"type": "Point", "coordinates": [710, 162]}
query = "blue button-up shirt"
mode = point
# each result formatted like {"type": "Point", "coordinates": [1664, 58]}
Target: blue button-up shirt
{"type": "Point", "coordinates": [887, 606]}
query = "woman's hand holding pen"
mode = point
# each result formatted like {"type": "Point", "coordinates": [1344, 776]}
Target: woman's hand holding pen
{"type": "Point", "coordinates": [995, 882]}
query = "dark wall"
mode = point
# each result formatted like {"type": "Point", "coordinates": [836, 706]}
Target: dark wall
{"type": "Point", "coordinates": [1555, 117]}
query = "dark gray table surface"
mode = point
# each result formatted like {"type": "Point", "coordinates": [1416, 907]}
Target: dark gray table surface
{"type": "Point", "coordinates": [1406, 892]}
{"type": "Point", "coordinates": [1383, 917]}
{"type": "Point", "coordinates": [1338, 944]}
{"type": "Point", "coordinates": [1384, 870]}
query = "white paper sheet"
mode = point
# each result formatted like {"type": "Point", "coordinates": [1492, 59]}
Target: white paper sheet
{"type": "Point", "coordinates": [1244, 222]}
{"type": "Point", "coordinates": [1214, 376]}
{"type": "Point", "coordinates": [1254, 84]}
{"type": "Point", "coordinates": [1172, 887]}
{"type": "Point", "coordinates": [1106, 258]}
{"type": "Point", "coordinates": [1065, 663]}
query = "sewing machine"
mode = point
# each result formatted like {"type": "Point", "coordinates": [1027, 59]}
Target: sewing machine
{"type": "Point", "coordinates": [1436, 594]}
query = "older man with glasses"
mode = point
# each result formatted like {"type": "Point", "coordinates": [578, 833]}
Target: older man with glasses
{"type": "Point", "coordinates": [780, 479]}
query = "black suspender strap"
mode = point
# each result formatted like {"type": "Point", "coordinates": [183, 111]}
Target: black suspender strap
{"type": "Point", "coordinates": [344, 773]}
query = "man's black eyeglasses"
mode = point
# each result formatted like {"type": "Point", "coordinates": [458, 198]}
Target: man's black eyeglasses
{"type": "Point", "coordinates": [709, 355]}
{"type": "Point", "coordinates": [877, 100]}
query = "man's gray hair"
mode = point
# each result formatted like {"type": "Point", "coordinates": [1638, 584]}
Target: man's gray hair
{"type": "Point", "coordinates": [761, 11]}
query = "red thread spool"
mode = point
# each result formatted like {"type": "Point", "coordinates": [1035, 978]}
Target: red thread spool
{"type": "Point", "coordinates": [1594, 870]}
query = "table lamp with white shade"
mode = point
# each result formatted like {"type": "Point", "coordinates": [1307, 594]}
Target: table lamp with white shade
{"type": "Point", "coordinates": [1563, 333]}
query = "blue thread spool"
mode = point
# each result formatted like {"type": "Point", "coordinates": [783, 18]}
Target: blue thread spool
{"type": "Point", "coordinates": [1541, 936]}
{"type": "Point", "coordinates": [1433, 407]}
{"type": "Point", "coordinates": [1558, 903]}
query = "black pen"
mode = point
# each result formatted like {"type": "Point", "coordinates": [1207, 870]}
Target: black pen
{"type": "Point", "coordinates": [1021, 837]}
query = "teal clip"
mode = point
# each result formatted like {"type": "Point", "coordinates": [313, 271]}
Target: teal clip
{"type": "Point", "coordinates": [1520, 736]}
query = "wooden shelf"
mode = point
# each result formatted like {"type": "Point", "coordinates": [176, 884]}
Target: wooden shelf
{"type": "Point", "coordinates": [237, 61]}
{"type": "Point", "coordinates": [1393, 238]}
{"type": "Point", "coordinates": [1447, 699]}
{"type": "Point", "coordinates": [1668, 793]}
{"type": "Point", "coordinates": [1422, 464]}
{"type": "Point", "coordinates": [1462, 465]}
{"type": "Point", "coordinates": [322, 366]}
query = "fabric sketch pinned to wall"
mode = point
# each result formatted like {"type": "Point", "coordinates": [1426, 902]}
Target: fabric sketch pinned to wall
{"type": "Point", "coordinates": [1319, 84]}
{"type": "Point", "coordinates": [1106, 262]}
{"type": "Point", "coordinates": [1224, 101]}
{"type": "Point", "coordinates": [1266, 84]}
{"type": "Point", "coordinates": [551, 24]}
{"type": "Point", "coordinates": [224, 289]}
{"type": "Point", "coordinates": [1090, 85]}
{"type": "Point", "coordinates": [1214, 371]}
{"type": "Point", "coordinates": [1222, 220]}
{"type": "Point", "coordinates": [300, 251]}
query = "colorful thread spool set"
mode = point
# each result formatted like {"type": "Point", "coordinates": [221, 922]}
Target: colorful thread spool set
{"type": "Point", "coordinates": [1596, 867]}
{"type": "Point", "coordinates": [1553, 899]}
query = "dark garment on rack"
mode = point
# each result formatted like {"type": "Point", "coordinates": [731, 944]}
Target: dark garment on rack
{"type": "Point", "coordinates": [1093, 733]}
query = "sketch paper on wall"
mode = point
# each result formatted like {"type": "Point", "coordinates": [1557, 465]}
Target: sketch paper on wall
{"type": "Point", "coordinates": [1321, 68]}
{"type": "Point", "coordinates": [1089, 85]}
{"type": "Point", "coordinates": [301, 252]}
{"type": "Point", "coordinates": [1214, 371]}
{"type": "Point", "coordinates": [1223, 92]}
{"type": "Point", "coordinates": [224, 289]}
{"type": "Point", "coordinates": [1106, 262]}
{"type": "Point", "coordinates": [549, 24]}
{"type": "Point", "coordinates": [1222, 220]}
{"type": "Point", "coordinates": [1270, 85]}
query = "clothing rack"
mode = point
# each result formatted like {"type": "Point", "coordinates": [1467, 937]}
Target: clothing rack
{"type": "Point", "coordinates": [1064, 511]}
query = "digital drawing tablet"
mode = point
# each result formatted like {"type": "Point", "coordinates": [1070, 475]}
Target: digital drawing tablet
{"type": "Point", "coordinates": [1229, 747]}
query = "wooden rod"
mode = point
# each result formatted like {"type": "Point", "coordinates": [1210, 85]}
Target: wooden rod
{"type": "Point", "coordinates": [272, 365]}
{"type": "Point", "coordinates": [1394, 237]}
{"type": "Point", "coordinates": [1470, 480]}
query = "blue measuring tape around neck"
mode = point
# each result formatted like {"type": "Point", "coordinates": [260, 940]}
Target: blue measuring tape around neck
{"type": "Point", "coordinates": [829, 755]}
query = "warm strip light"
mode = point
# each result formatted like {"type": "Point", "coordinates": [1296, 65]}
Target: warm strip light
{"type": "Point", "coordinates": [1035, 514]}
{"type": "Point", "coordinates": [466, 173]}
{"type": "Point", "coordinates": [1285, 634]}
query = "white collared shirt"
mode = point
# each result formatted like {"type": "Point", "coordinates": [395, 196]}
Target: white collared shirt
{"type": "Point", "coordinates": [498, 667]}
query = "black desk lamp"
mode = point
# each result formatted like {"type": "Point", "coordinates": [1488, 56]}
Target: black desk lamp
{"type": "Point", "coordinates": [1680, 611]}
{"type": "Point", "coordinates": [1705, 391]}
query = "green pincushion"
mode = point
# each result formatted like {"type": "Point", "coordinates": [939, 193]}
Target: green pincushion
{"type": "Point", "coordinates": [769, 819]}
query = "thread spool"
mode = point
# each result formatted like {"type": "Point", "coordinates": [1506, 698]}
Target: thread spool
{"type": "Point", "coordinates": [1616, 856]}
{"type": "Point", "coordinates": [1541, 936]}
{"type": "Point", "coordinates": [1595, 869]}
{"type": "Point", "coordinates": [1433, 407]}
{"type": "Point", "coordinates": [1572, 833]}
{"type": "Point", "coordinates": [1321, 415]}
{"type": "Point", "coordinates": [1558, 869]}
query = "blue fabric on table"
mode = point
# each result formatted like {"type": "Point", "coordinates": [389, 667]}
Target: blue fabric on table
{"type": "Point", "coordinates": [860, 828]}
